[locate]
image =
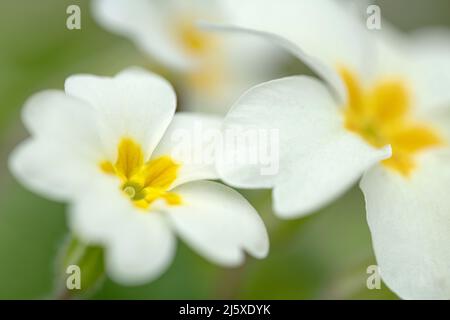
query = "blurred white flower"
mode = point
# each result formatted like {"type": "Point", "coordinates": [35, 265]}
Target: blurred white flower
{"type": "Point", "coordinates": [214, 70]}
{"type": "Point", "coordinates": [104, 145]}
{"type": "Point", "coordinates": [383, 113]}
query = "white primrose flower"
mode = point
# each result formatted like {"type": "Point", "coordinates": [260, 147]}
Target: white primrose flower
{"type": "Point", "coordinates": [214, 70]}
{"type": "Point", "coordinates": [106, 146]}
{"type": "Point", "coordinates": [381, 112]}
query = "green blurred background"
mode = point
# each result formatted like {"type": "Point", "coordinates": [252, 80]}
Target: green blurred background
{"type": "Point", "coordinates": [323, 256]}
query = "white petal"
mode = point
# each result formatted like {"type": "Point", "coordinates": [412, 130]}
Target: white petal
{"type": "Point", "coordinates": [65, 148]}
{"type": "Point", "coordinates": [147, 24]}
{"type": "Point", "coordinates": [142, 251]}
{"type": "Point", "coordinates": [139, 245]}
{"type": "Point", "coordinates": [439, 119]}
{"type": "Point", "coordinates": [150, 24]}
{"type": "Point", "coordinates": [422, 60]}
{"type": "Point", "coordinates": [392, 58]}
{"type": "Point", "coordinates": [410, 224]}
{"type": "Point", "coordinates": [191, 141]}
{"type": "Point", "coordinates": [318, 174]}
{"type": "Point", "coordinates": [319, 32]}
{"type": "Point", "coordinates": [234, 72]}
{"type": "Point", "coordinates": [430, 50]}
{"type": "Point", "coordinates": [219, 223]}
{"type": "Point", "coordinates": [54, 116]}
{"type": "Point", "coordinates": [135, 103]}
{"type": "Point", "coordinates": [51, 170]}
{"type": "Point", "coordinates": [318, 159]}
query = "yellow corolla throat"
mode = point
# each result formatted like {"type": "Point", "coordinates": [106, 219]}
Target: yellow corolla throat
{"type": "Point", "coordinates": [210, 74]}
{"type": "Point", "coordinates": [209, 80]}
{"type": "Point", "coordinates": [143, 182]}
{"type": "Point", "coordinates": [193, 40]}
{"type": "Point", "coordinates": [382, 116]}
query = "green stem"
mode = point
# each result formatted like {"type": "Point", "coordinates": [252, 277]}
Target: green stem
{"type": "Point", "coordinates": [90, 262]}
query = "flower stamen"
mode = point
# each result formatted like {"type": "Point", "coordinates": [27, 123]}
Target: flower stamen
{"type": "Point", "coordinates": [382, 116]}
{"type": "Point", "coordinates": [143, 182]}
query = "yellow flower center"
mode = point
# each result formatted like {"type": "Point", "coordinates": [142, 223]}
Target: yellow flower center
{"type": "Point", "coordinates": [143, 182]}
{"type": "Point", "coordinates": [209, 76]}
{"type": "Point", "coordinates": [382, 116]}
{"type": "Point", "coordinates": [194, 41]}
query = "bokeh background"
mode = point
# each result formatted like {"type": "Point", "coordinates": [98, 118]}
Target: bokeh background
{"type": "Point", "coordinates": [323, 256]}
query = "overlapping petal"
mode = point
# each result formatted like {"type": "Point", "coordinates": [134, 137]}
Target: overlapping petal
{"type": "Point", "coordinates": [318, 158]}
{"type": "Point", "coordinates": [192, 140]}
{"type": "Point", "coordinates": [219, 223]}
{"type": "Point", "coordinates": [135, 103]}
{"type": "Point", "coordinates": [147, 23]}
{"type": "Point", "coordinates": [320, 33]}
{"type": "Point", "coordinates": [65, 145]}
{"type": "Point", "coordinates": [139, 245]}
{"type": "Point", "coordinates": [430, 51]}
{"type": "Point", "coordinates": [410, 224]}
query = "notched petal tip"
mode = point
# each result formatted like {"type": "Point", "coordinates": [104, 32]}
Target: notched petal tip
{"type": "Point", "coordinates": [219, 223]}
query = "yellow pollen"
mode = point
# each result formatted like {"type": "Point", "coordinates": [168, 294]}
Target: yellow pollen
{"type": "Point", "coordinates": [382, 116]}
{"type": "Point", "coordinates": [143, 182]}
